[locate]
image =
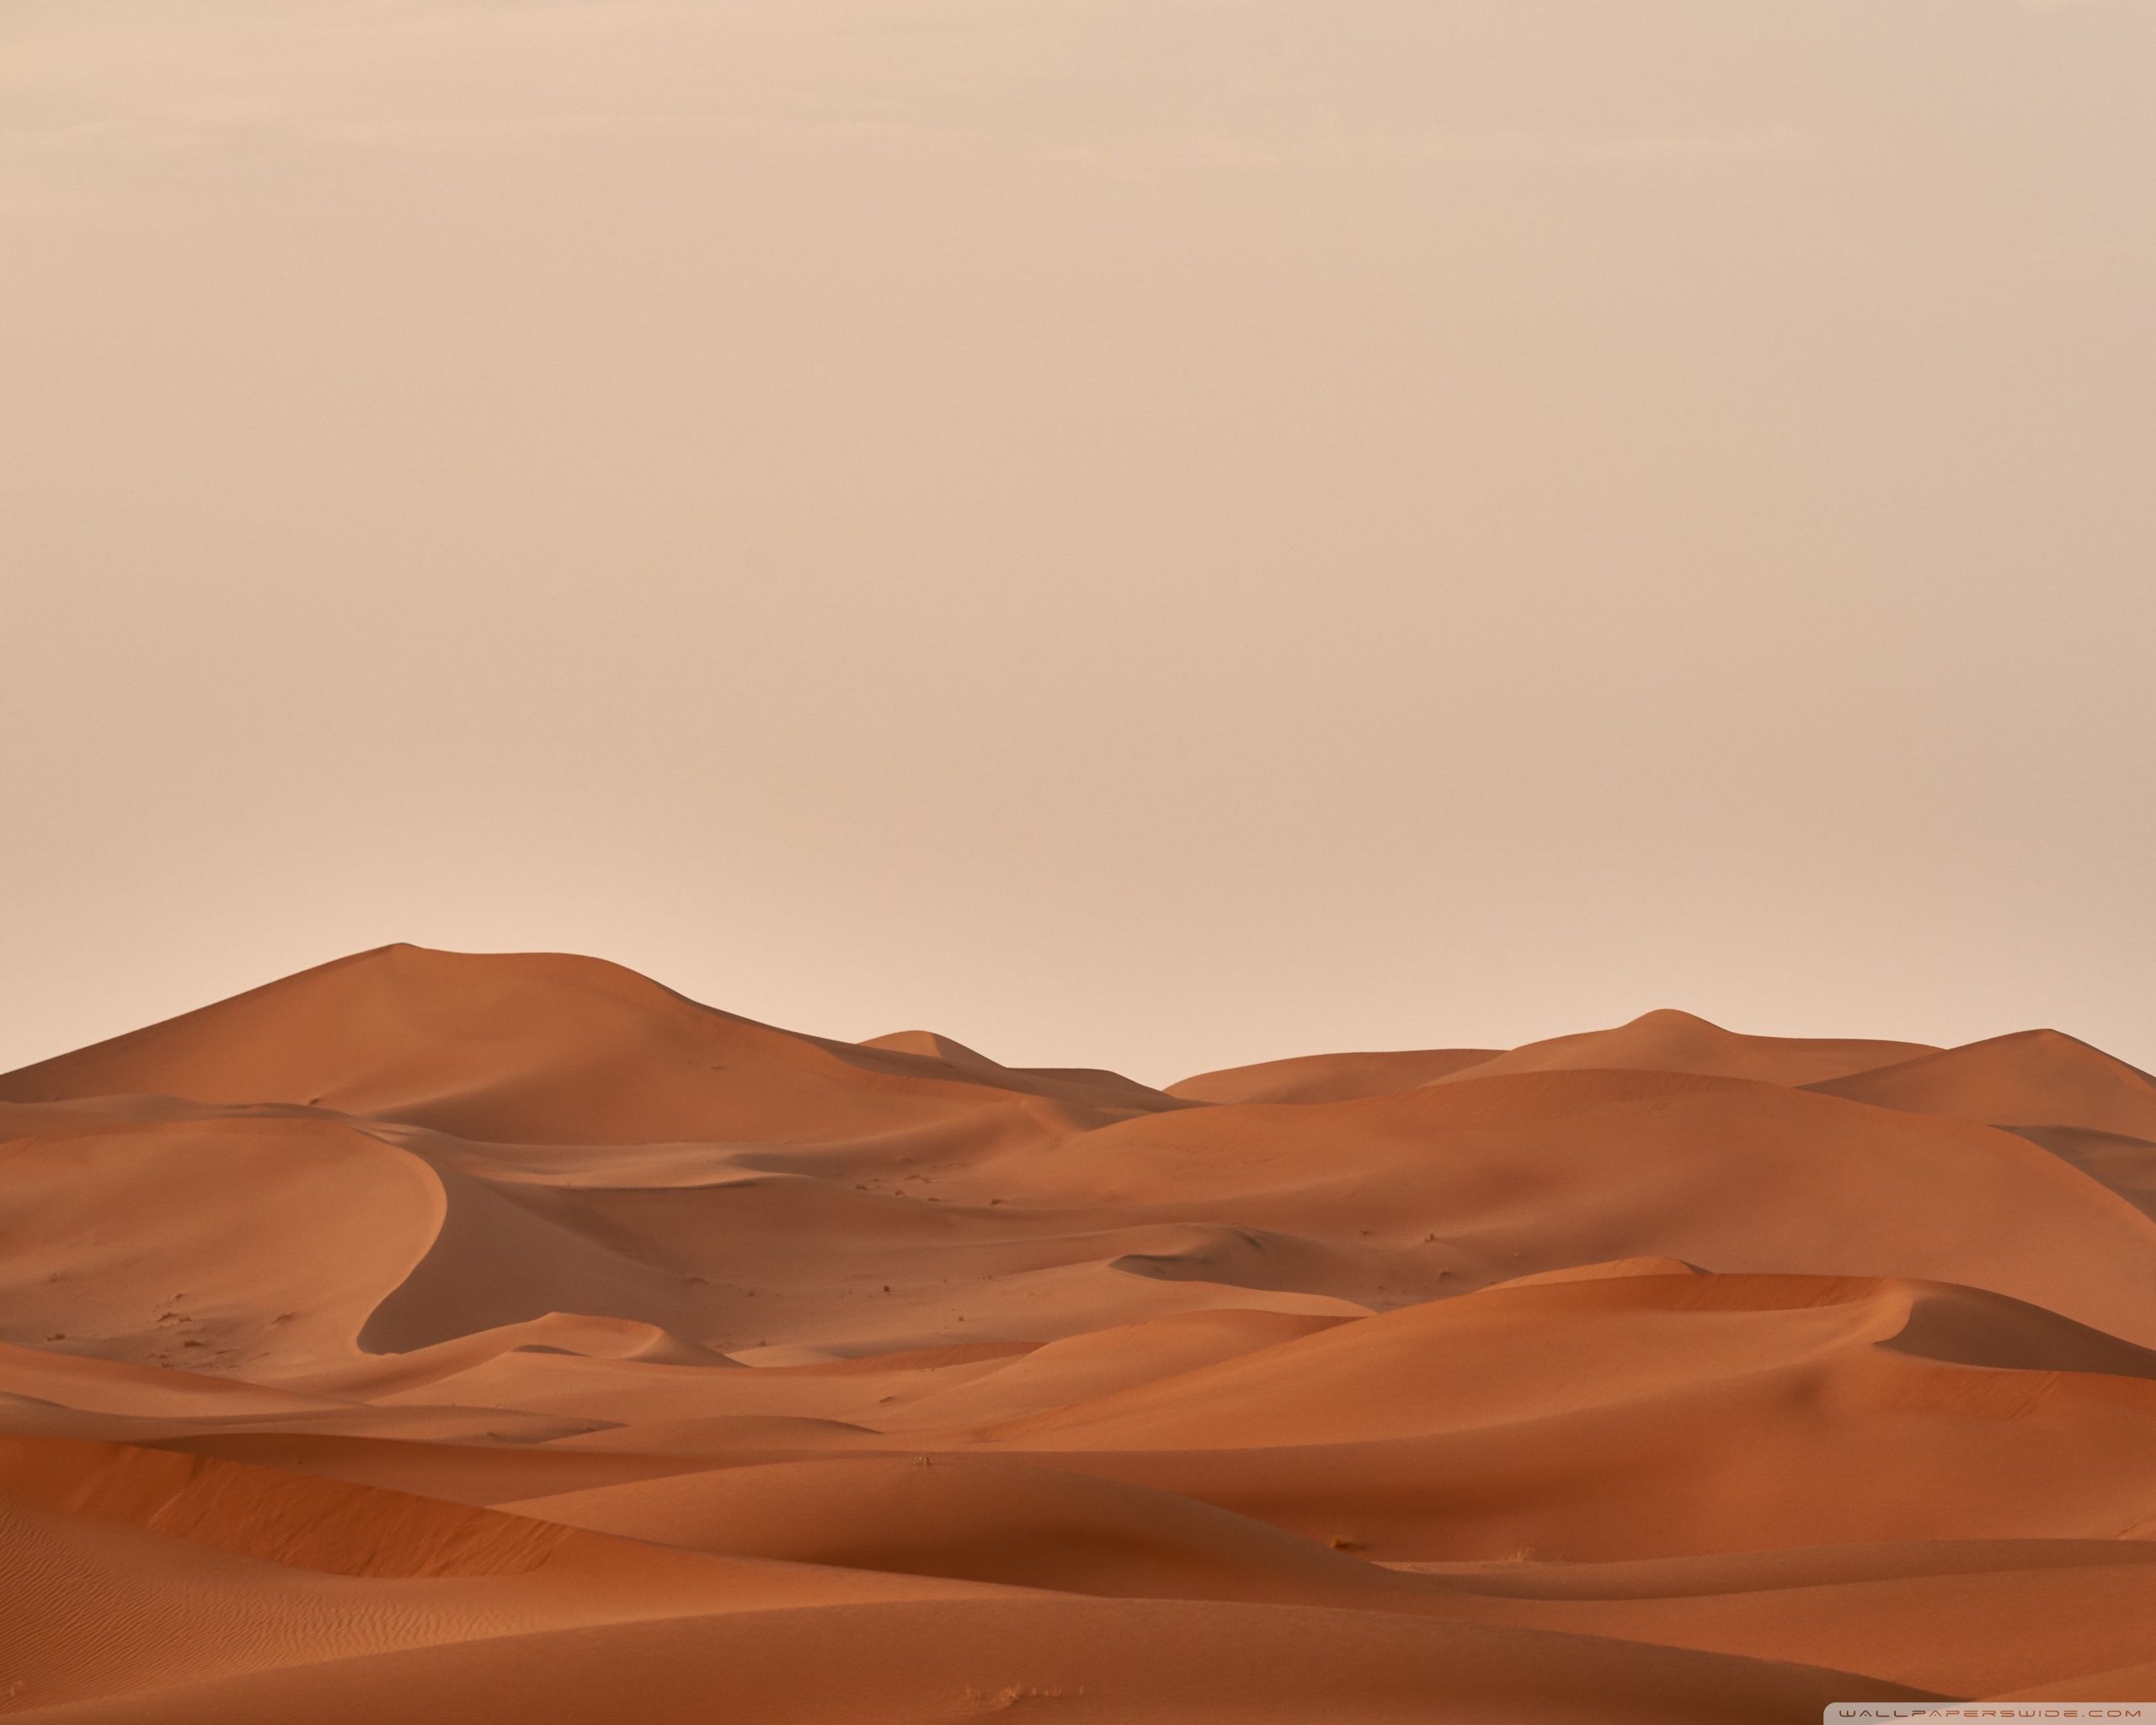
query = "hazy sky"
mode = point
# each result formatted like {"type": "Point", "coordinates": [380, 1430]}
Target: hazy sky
{"type": "Point", "coordinates": [1147, 532]}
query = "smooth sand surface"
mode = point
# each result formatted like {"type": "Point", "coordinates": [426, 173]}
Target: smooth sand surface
{"type": "Point", "coordinates": [440, 1337]}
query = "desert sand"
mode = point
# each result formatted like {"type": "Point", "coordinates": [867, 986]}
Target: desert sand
{"type": "Point", "coordinates": [445, 1338]}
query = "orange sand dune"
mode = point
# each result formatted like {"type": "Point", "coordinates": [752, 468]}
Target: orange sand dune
{"type": "Point", "coordinates": [448, 1337]}
{"type": "Point", "coordinates": [550, 1049]}
{"type": "Point", "coordinates": [1330, 1078]}
{"type": "Point", "coordinates": [2036, 1078]}
{"type": "Point", "coordinates": [1668, 1041]}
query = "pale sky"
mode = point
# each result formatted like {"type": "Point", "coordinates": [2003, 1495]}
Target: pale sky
{"type": "Point", "coordinates": [1156, 533]}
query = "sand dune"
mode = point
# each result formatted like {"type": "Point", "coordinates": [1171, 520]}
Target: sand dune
{"type": "Point", "coordinates": [452, 1336]}
{"type": "Point", "coordinates": [550, 1049]}
{"type": "Point", "coordinates": [2035, 1078]}
{"type": "Point", "coordinates": [1330, 1078]}
{"type": "Point", "coordinates": [1668, 1041]}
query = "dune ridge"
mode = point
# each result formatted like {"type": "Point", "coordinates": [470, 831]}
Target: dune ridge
{"type": "Point", "coordinates": [432, 1332]}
